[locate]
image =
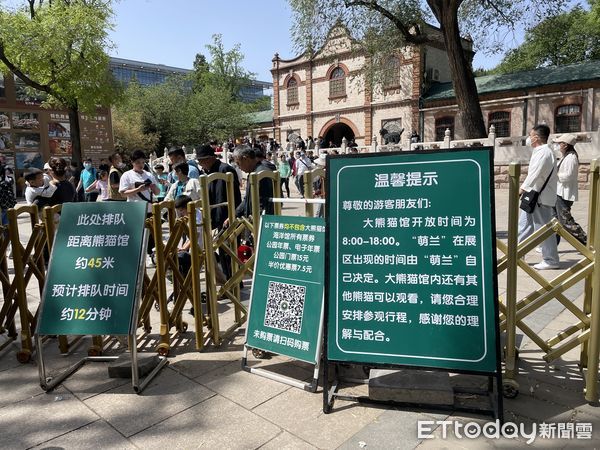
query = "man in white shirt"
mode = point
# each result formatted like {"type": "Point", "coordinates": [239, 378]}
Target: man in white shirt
{"type": "Point", "coordinates": [541, 168]}
{"type": "Point", "coordinates": [138, 185]}
{"type": "Point", "coordinates": [303, 165]}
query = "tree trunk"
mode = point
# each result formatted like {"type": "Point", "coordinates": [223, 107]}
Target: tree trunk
{"type": "Point", "coordinates": [463, 80]}
{"type": "Point", "coordinates": [77, 155]}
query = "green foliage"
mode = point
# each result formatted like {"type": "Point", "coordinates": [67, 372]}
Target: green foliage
{"type": "Point", "coordinates": [189, 110]}
{"type": "Point", "coordinates": [567, 38]}
{"type": "Point", "coordinates": [225, 70]}
{"type": "Point", "coordinates": [60, 50]}
{"type": "Point", "coordinates": [380, 25]}
{"type": "Point", "coordinates": [128, 122]}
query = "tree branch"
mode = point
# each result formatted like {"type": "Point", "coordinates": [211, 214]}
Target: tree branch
{"type": "Point", "coordinates": [31, 8]}
{"type": "Point", "coordinates": [401, 26]}
{"type": "Point", "coordinates": [495, 7]}
{"type": "Point", "coordinates": [28, 81]}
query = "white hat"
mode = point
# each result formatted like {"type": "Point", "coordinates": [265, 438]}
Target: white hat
{"type": "Point", "coordinates": [567, 138]}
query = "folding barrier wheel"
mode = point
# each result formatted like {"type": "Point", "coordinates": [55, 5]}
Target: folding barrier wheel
{"type": "Point", "coordinates": [259, 354]}
{"type": "Point", "coordinates": [510, 388]}
{"type": "Point", "coordinates": [163, 349]}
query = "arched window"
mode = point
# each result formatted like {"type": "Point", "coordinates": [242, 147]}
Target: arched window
{"type": "Point", "coordinates": [441, 124]}
{"type": "Point", "coordinates": [567, 119]}
{"type": "Point", "coordinates": [391, 75]}
{"type": "Point", "coordinates": [337, 83]}
{"type": "Point", "coordinates": [501, 122]}
{"type": "Point", "coordinates": [292, 92]}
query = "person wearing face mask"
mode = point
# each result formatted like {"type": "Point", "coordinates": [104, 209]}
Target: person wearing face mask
{"type": "Point", "coordinates": [567, 188]}
{"type": "Point", "coordinates": [542, 178]}
{"type": "Point", "coordinates": [114, 177]}
{"type": "Point", "coordinates": [87, 178]}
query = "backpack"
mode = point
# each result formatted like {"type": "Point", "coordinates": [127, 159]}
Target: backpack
{"type": "Point", "coordinates": [7, 196]}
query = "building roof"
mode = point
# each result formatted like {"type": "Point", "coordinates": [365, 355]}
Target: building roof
{"type": "Point", "coordinates": [572, 73]}
{"type": "Point", "coordinates": [146, 65]}
{"type": "Point", "coordinates": [130, 63]}
{"type": "Point", "coordinates": [261, 116]}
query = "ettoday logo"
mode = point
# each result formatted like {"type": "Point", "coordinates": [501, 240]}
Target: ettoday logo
{"type": "Point", "coordinates": [507, 430]}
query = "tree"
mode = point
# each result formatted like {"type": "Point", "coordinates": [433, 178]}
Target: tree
{"type": "Point", "coordinates": [225, 68]}
{"type": "Point", "coordinates": [59, 47]}
{"type": "Point", "coordinates": [162, 109]}
{"type": "Point", "coordinates": [194, 109]}
{"type": "Point", "coordinates": [380, 25]}
{"type": "Point", "coordinates": [567, 38]}
{"type": "Point", "coordinates": [128, 122]}
{"type": "Point", "coordinates": [201, 72]}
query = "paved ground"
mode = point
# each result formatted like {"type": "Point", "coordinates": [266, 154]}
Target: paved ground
{"type": "Point", "coordinates": [204, 399]}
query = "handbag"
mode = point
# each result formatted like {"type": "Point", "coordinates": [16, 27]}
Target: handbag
{"type": "Point", "coordinates": [529, 199]}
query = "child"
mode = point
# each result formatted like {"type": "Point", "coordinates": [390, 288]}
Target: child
{"type": "Point", "coordinates": [163, 184]}
{"type": "Point", "coordinates": [101, 184]}
{"type": "Point", "coordinates": [38, 189]}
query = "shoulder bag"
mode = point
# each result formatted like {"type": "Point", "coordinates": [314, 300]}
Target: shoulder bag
{"type": "Point", "coordinates": [529, 199]}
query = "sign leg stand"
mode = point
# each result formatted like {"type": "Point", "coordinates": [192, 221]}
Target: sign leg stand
{"type": "Point", "coordinates": [138, 386]}
{"type": "Point", "coordinates": [310, 387]}
{"type": "Point", "coordinates": [49, 383]}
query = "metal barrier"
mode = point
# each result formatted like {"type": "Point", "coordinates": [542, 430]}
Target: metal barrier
{"type": "Point", "coordinates": [226, 243]}
{"type": "Point", "coordinates": [513, 312]}
{"type": "Point", "coordinates": [28, 262]}
{"type": "Point", "coordinates": [7, 323]}
{"type": "Point", "coordinates": [155, 287]}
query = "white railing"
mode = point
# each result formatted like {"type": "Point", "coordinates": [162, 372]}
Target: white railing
{"type": "Point", "coordinates": [513, 148]}
{"type": "Point", "coordinates": [506, 149]}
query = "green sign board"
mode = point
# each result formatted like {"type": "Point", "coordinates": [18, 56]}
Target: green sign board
{"type": "Point", "coordinates": [92, 280]}
{"type": "Point", "coordinates": [411, 260]}
{"type": "Point", "coordinates": [286, 306]}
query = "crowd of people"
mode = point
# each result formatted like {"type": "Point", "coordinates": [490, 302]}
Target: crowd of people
{"type": "Point", "coordinates": [554, 178]}
{"type": "Point", "coordinates": [178, 179]}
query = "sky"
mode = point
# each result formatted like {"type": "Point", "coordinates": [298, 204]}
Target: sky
{"type": "Point", "coordinates": [171, 32]}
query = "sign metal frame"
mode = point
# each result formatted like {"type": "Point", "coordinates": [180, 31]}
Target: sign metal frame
{"type": "Point", "coordinates": [48, 383]}
{"type": "Point", "coordinates": [331, 378]}
{"type": "Point", "coordinates": [307, 386]}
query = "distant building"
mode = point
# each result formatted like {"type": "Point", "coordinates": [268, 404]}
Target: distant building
{"type": "Point", "coordinates": [255, 91]}
{"type": "Point", "coordinates": [324, 95]}
{"type": "Point", "coordinates": [148, 74]}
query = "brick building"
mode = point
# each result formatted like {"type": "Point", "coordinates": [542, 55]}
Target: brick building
{"type": "Point", "coordinates": [324, 95]}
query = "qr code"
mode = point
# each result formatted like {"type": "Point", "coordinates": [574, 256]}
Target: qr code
{"type": "Point", "coordinates": [285, 306]}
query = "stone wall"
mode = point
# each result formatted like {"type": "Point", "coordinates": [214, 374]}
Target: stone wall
{"type": "Point", "coordinates": [501, 177]}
